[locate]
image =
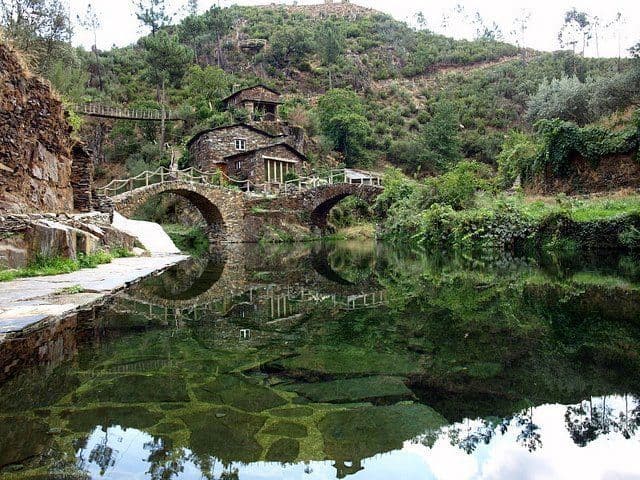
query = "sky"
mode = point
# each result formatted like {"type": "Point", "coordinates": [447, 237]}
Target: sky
{"type": "Point", "coordinates": [120, 27]}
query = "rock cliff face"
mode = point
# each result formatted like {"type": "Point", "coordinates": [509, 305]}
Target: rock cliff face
{"type": "Point", "coordinates": [35, 145]}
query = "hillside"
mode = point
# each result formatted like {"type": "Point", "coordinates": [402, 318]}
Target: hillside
{"type": "Point", "coordinates": [402, 77]}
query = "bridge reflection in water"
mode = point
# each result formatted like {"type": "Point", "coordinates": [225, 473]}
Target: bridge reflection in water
{"type": "Point", "coordinates": [228, 287]}
{"type": "Point", "coordinates": [279, 362]}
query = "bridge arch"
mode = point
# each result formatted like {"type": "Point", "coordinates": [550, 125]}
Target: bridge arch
{"type": "Point", "coordinates": [319, 201]}
{"type": "Point", "coordinates": [221, 209]}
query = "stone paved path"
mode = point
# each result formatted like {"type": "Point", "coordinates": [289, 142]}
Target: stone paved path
{"type": "Point", "coordinates": [25, 302]}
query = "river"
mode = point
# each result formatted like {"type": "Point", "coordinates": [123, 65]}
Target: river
{"type": "Point", "coordinates": [340, 360]}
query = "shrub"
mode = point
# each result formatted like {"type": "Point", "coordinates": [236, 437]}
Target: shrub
{"type": "Point", "coordinates": [566, 98]}
{"type": "Point", "coordinates": [630, 238]}
{"type": "Point", "coordinates": [561, 140]}
{"type": "Point", "coordinates": [457, 188]}
{"type": "Point", "coordinates": [518, 155]}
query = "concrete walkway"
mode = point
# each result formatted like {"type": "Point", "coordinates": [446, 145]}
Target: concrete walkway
{"type": "Point", "coordinates": [25, 302]}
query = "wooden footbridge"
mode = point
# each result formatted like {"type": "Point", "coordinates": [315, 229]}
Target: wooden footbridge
{"type": "Point", "coordinates": [117, 113]}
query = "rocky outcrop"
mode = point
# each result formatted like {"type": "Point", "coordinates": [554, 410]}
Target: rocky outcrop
{"type": "Point", "coordinates": [35, 146]}
{"type": "Point", "coordinates": [23, 238]}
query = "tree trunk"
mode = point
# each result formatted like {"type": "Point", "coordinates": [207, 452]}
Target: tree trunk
{"type": "Point", "coordinates": [163, 128]}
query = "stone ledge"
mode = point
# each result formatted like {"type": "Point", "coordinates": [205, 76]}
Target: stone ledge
{"type": "Point", "coordinates": [32, 303]}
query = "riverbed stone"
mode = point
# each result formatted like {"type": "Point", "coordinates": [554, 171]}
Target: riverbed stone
{"type": "Point", "coordinates": [239, 393]}
{"type": "Point", "coordinates": [360, 433]}
{"type": "Point", "coordinates": [22, 438]}
{"type": "Point", "coordinates": [86, 420]}
{"type": "Point", "coordinates": [347, 360]}
{"type": "Point", "coordinates": [352, 390]}
{"type": "Point", "coordinates": [230, 438]}
{"type": "Point", "coordinates": [284, 450]}
{"type": "Point", "coordinates": [134, 389]}
{"type": "Point", "coordinates": [286, 429]}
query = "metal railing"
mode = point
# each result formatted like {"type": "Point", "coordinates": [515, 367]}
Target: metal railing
{"type": "Point", "coordinates": [219, 179]}
{"type": "Point", "coordinates": [96, 110]}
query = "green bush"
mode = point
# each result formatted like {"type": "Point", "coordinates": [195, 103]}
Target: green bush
{"type": "Point", "coordinates": [519, 152]}
{"type": "Point", "coordinates": [457, 188]}
{"type": "Point", "coordinates": [630, 238]}
{"type": "Point", "coordinates": [561, 140]}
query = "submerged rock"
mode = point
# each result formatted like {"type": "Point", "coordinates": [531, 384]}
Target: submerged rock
{"type": "Point", "coordinates": [286, 429]}
{"type": "Point", "coordinates": [285, 450]}
{"type": "Point", "coordinates": [230, 438]}
{"type": "Point", "coordinates": [355, 390]}
{"type": "Point", "coordinates": [135, 389]}
{"type": "Point", "coordinates": [86, 420]}
{"type": "Point", "coordinates": [361, 433]}
{"type": "Point", "coordinates": [239, 393]}
{"type": "Point", "coordinates": [21, 439]}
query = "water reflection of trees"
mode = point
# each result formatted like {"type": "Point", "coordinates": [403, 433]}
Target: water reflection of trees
{"type": "Point", "coordinates": [469, 435]}
{"type": "Point", "coordinates": [585, 422]}
{"type": "Point", "coordinates": [595, 417]}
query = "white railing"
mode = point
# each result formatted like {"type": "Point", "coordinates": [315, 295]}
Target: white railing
{"type": "Point", "coordinates": [219, 179]}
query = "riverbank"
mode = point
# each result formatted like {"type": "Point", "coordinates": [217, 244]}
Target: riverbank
{"type": "Point", "coordinates": [28, 303]}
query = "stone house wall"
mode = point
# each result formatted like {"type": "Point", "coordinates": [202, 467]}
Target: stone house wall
{"type": "Point", "coordinates": [35, 143]}
{"type": "Point", "coordinates": [251, 165]}
{"type": "Point", "coordinates": [209, 150]}
{"type": "Point", "coordinates": [255, 94]}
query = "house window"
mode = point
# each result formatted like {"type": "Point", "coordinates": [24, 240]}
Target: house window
{"type": "Point", "coordinates": [238, 165]}
{"type": "Point", "coordinates": [241, 144]}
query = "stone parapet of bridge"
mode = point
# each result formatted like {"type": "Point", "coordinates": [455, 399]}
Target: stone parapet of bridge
{"type": "Point", "coordinates": [235, 216]}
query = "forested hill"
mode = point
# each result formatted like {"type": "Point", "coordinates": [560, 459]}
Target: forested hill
{"type": "Point", "coordinates": [368, 89]}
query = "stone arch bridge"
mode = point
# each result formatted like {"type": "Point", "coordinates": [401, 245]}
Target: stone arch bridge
{"type": "Point", "coordinates": [242, 213]}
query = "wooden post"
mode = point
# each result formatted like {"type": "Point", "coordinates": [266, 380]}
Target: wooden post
{"type": "Point", "coordinates": [146, 178]}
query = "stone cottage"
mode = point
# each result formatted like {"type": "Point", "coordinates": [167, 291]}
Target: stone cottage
{"type": "Point", "coordinates": [268, 164]}
{"type": "Point", "coordinates": [260, 101]}
{"type": "Point", "coordinates": [245, 152]}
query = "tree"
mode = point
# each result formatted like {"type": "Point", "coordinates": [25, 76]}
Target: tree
{"type": "Point", "coordinates": [38, 27]}
{"type": "Point", "coordinates": [192, 7]}
{"type": "Point", "coordinates": [91, 22]}
{"type": "Point", "coordinates": [441, 145]}
{"type": "Point", "coordinates": [290, 45]}
{"type": "Point", "coordinates": [485, 31]}
{"type": "Point", "coordinates": [330, 40]}
{"type": "Point", "coordinates": [577, 28]}
{"type": "Point", "coordinates": [152, 14]}
{"type": "Point", "coordinates": [566, 98]}
{"type": "Point", "coordinates": [167, 61]}
{"type": "Point", "coordinates": [343, 123]}
{"type": "Point", "coordinates": [617, 22]}
{"type": "Point", "coordinates": [521, 24]}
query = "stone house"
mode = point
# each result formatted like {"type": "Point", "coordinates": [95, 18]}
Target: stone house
{"type": "Point", "coordinates": [245, 152]}
{"type": "Point", "coordinates": [260, 101]}
{"type": "Point", "coordinates": [267, 164]}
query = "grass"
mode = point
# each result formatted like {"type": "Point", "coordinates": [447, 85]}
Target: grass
{"type": "Point", "coordinates": [72, 290]}
{"type": "Point", "coordinates": [362, 231]}
{"type": "Point", "coordinates": [580, 210]}
{"type": "Point", "coordinates": [44, 266]}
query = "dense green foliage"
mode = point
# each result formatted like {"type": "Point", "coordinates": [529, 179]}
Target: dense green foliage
{"type": "Point", "coordinates": [458, 211]}
{"type": "Point", "coordinates": [446, 111]}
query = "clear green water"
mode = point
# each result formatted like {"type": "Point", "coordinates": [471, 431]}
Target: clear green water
{"type": "Point", "coordinates": [342, 360]}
